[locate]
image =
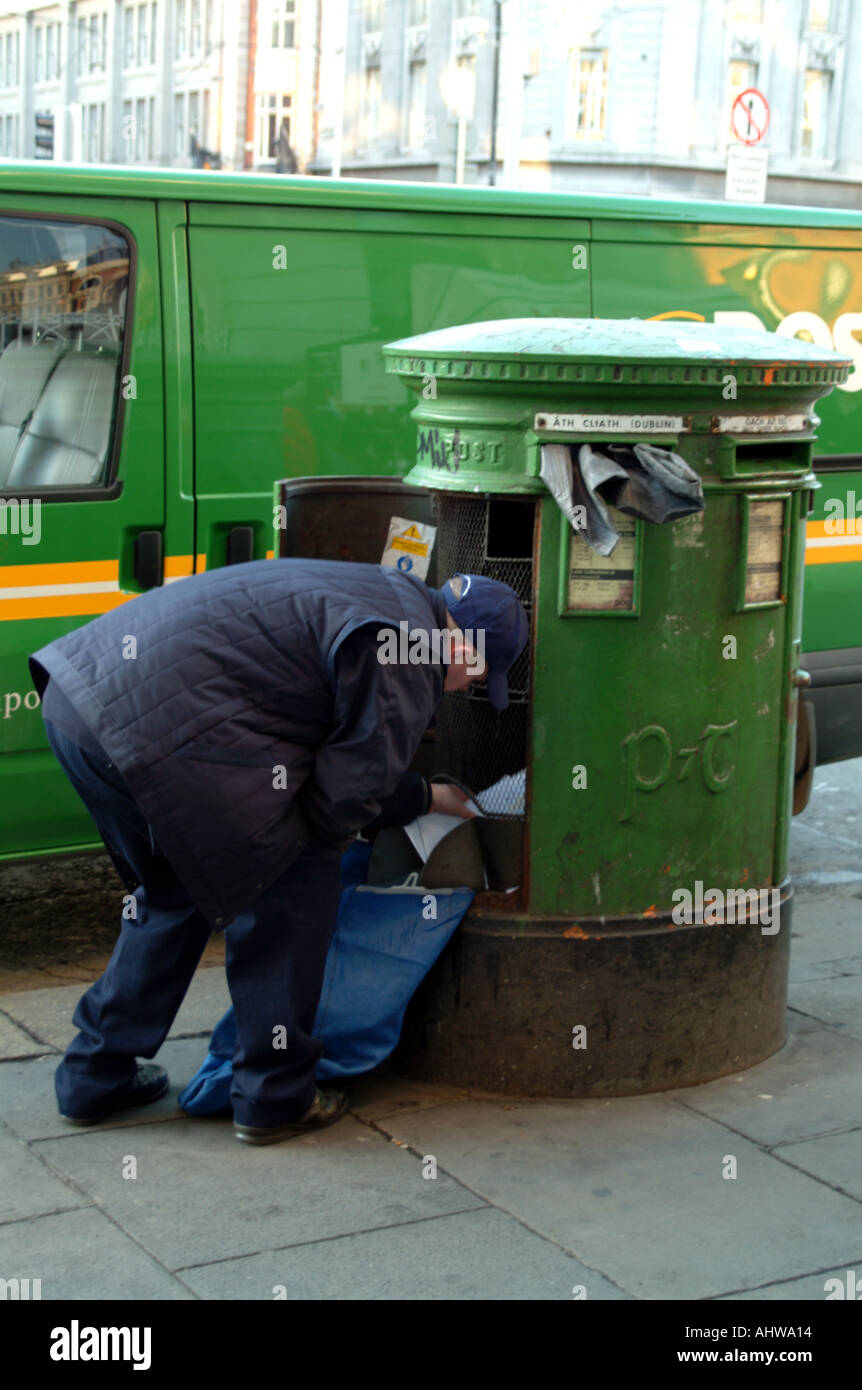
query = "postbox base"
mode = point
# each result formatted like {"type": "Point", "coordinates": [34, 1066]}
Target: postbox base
{"type": "Point", "coordinates": [618, 1009]}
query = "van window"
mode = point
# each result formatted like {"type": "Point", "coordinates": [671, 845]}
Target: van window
{"type": "Point", "coordinates": [64, 289]}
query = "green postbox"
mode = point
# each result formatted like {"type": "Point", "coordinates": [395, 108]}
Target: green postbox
{"type": "Point", "coordinates": [651, 727]}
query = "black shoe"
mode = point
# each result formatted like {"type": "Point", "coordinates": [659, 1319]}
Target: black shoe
{"type": "Point", "coordinates": [150, 1083]}
{"type": "Point", "coordinates": [325, 1109]}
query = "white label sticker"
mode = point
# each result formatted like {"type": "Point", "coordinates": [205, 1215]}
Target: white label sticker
{"type": "Point", "coordinates": [603, 583]}
{"type": "Point", "coordinates": [408, 546]}
{"type": "Point", "coordinates": [550, 421]}
{"type": "Point", "coordinates": [762, 424]}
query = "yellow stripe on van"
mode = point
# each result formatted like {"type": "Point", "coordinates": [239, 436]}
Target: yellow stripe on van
{"type": "Point", "coordinates": [824, 548]}
{"type": "Point", "coordinates": [72, 589]}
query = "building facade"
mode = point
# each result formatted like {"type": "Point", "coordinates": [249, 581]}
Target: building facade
{"type": "Point", "coordinates": [151, 83]}
{"type": "Point", "coordinates": [626, 97]}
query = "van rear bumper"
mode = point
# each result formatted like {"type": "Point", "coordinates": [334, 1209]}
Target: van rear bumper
{"type": "Point", "coordinates": [836, 693]}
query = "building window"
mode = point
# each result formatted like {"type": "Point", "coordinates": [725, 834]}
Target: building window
{"type": "Point", "coordinates": [194, 127]}
{"type": "Point", "coordinates": [284, 24]}
{"type": "Point", "coordinates": [745, 11]}
{"type": "Point", "coordinates": [416, 118]}
{"type": "Point", "coordinates": [373, 98]}
{"type": "Point", "coordinates": [464, 89]}
{"type": "Point", "coordinates": [819, 14]}
{"type": "Point", "coordinates": [143, 36]}
{"type": "Point", "coordinates": [741, 77]}
{"type": "Point", "coordinates": [372, 16]}
{"type": "Point", "coordinates": [180, 30]}
{"type": "Point", "coordinates": [588, 94]}
{"type": "Point", "coordinates": [128, 37]}
{"type": "Point", "coordinates": [8, 138]}
{"type": "Point", "coordinates": [205, 120]}
{"type": "Point", "coordinates": [151, 127]}
{"type": "Point", "coordinates": [274, 112]}
{"type": "Point", "coordinates": [140, 128]}
{"type": "Point", "coordinates": [93, 132]}
{"type": "Point", "coordinates": [39, 36]}
{"type": "Point", "coordinates": [815, 113]}
{"type": "Point", "coordinates": [9, 60]}
{"type": "Point", "coordinates": [92, 43]}
{"type": "Point", "coordinates": [465, 8]}
{"type": "Point", "coordinates": [197, 32]}
{"type": "Point", "coordinates": [418, 11]}
{"type": "Point", "coordinates": [52, 52]}
{"type": "Point", "coordinates": [179, 125]}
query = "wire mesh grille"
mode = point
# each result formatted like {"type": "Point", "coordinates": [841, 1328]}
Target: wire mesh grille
{"type": "Point", "coordinates": [491, 536]}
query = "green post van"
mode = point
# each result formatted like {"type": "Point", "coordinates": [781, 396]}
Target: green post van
{"type": "Point", "coordinates": [173, 342]}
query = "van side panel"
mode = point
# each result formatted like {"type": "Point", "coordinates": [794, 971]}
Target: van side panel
{"type": "Point", "coordinates": [290, 308]}
{"type": "Point", "coordinates": [790, 280]}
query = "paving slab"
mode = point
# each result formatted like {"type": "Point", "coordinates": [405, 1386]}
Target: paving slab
{"type": "Point", "coordinates": [47, 1013]}
{"type": "Point", "coordinates": [836, 1002]}
{"type": "Point", "coordinates": [826, 928]}
{"type": "Point", "coordinates": [28, 1103]}
{"type": "Point", "coordinates": [383, 1092]}
{"type": "Point", "coordinates": [15, 1042]}
{"type": "Point", "coordinates": [201, 1196]}
{"type": "Point", "coordinates": [810, 1288]}
{"type": "Point", "coordinates": [634, 1187]}
{"type": "Point", "coordinates": [835, 806]}
{"type": "Point", "coordinates": [823, 864]}
{"type": "Point", "coordinates": [29, 1188]}
{"type": "Point", "coordinates": [833, 1158]}
{"type": "Point", "coordinates": [812, 1086]}
{"type": "Point", "coordinates": [474, 1255]}
{"type": "Point", "coordinates": [824, 969]}
{"type": "Point", "coordinates": [83, 1255]}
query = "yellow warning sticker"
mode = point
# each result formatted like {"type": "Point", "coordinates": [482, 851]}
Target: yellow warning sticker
{"type": "Point", "coordinates": [414, 547]}
{"type": "Point", "coordinates": [408, 546]}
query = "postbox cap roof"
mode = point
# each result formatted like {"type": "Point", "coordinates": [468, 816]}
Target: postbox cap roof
{"type": "Point", "coordinates": [486, 606]}
{"type": "Point", "coordinates": [542, 340]}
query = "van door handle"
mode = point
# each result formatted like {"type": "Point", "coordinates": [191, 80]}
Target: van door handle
{"type": "Point", "coordinates": [149, 559]}
{"type": "Point", "coordinates": [240, 545]}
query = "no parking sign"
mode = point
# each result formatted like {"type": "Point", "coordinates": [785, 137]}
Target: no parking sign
{"type": "Point", "coordinates": [749, 116]}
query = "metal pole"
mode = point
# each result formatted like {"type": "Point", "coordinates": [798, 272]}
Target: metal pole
{"type": "Point", "coordinates": [340, 71]}
{"type": "Point", "coordinates": [492, 167]}
{"type": "Point", "coordinates": [461, 149]}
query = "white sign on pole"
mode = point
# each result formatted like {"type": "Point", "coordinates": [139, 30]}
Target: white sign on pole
{"type": "Point", "coordinates": [746, 174]}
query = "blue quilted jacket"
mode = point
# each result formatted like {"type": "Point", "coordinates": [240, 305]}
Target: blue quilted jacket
{"type": "Point", "coordinates": [250, 712]}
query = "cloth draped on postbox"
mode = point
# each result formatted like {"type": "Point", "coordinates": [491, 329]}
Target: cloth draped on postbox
{"type": "Point", "coordinates": [641, 480]}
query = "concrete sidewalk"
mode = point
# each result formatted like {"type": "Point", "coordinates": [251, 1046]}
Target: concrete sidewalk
{"type": "Point", "coordinates": [532, 1199]}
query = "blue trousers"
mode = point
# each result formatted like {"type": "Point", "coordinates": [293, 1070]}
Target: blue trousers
{"type": "Point", "coordinates": [275, 955]}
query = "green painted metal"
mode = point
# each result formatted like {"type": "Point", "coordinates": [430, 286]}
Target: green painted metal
{"type": "Point", "coordinates": [247, 373]}
{"type": "Point", "coordinates": [288, 324]}
{"type": "Point", "coordinates": [39, 810]}
{"type": "Point", "coordinates": [199, 185]}
{"type": "Point", "coordinates": [687, 753]}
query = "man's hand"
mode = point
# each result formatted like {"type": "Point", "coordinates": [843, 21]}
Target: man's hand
{"type": "Point", "coordinates": [450, 800]}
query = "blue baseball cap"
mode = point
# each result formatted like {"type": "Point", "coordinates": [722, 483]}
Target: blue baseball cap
{"type": "Point", "coordinates": [485, 605]}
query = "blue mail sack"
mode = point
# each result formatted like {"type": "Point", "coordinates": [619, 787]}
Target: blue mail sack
{"type": "Point", "coordinates": [382, 948]}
